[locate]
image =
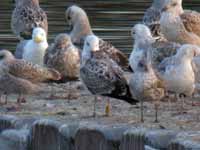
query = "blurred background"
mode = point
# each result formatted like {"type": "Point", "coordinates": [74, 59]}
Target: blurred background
{"type": "Point", "coordinates": [110, 19]}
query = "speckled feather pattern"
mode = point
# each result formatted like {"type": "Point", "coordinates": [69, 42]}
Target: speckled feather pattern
{"type": "Point", "coordinates": [66, 61]}
{"type": "Point", "coordinates": [152, 20]}
{"type": "Point", "coordinates": [103, 76]}
{"type": "Point", "coordinates": [191, 21]}
{"type": "Point", "coordinates": [146, 86]}
{"type": "Point", "coordinates": [29, 71]}
{"type": "Point", "coordinates": [25, 18]}
{"type": "Point", "coordinates": [115, 54]}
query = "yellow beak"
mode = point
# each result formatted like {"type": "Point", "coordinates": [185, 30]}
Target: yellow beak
{"type": "Point", "coordinates": [38, 39]}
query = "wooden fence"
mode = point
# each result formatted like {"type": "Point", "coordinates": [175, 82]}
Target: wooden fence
{"type": "Point", "coordinates": [110, 19]}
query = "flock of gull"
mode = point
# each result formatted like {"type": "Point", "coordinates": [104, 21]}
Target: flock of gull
{"type": "Point", "coordinates": [165, 58]}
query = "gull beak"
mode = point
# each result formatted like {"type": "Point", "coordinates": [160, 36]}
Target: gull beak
{"type": "Point", "coordinates": [95, 50]}
{"type": "Point", "coordinates": [38, 39]}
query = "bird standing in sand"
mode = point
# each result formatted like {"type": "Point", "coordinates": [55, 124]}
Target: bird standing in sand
{"type": "Point", "coordinates": [35, 49]}
{"type": "Point", "coordinates": [102, 75]}
{"type": "Point", "coordinates": [24, 72]}
{"type": "Point", "coordinates": [144, 83]}
{"type": "Point", "coordinates": [63, 56]}
{"type": "Point", "coordinates": [79, 22]}
{"type": "Point", "coordinates": [26, 16]}
{"type": "Point", "coordinates": [178, 25]}
{"type": "Point", "coordinates": [152, 18]}
{"type": "Point", "coordinates": [144, 41]}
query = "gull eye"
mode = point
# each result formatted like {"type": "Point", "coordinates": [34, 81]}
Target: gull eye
{"type": "Point", "coordinates": [69, 18]}
{"type": "Point", "coordinates": [174, 4]}
{"type": "Point", "coordinates": [1, 57]}
{"type": "Point", "coordinates": [88, 44]}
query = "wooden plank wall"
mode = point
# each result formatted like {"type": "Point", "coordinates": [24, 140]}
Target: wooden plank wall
{"type": "Point", "coordinates": [110, 19]}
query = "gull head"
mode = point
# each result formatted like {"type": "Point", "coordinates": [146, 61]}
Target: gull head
{"type": "Point", "coordinates": [188, 51]}
{"type": "Point", "coordinates": [25, 2]}
{"type": "Point", "coordinates": [39, 35]}
{"type": "Point", "coordinates": [140, 30]}
{"type": "Point", "coordinates": [91, 43]}
{"type": "Point", "coordinates": [142, 34]}
{"type": "Point", "coordinates": [74, 14]}
{"type": "Point", "coordinates": [62, 41]}
{"type": "Point", "coordinates": [5, 54]}
{"type": "Point", "coordinates": [158, 4]}
{"type": "Point", "coordinates": [173, 6]}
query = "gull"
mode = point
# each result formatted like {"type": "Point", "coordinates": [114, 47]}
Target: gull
{"type": "Point", "coordinates": [26, 16]}
{"type": "Point", "coordinates": [177, 71]}
{"type": "Point", "coordinates": [18, 76]}
{"type": "Point", "coordinates": [178, 25]}
{"type": "Point", "coordinates": [152, 17]}
{"type": "Point", "coordinates": [145, 84]}
{"type": "Point", "coordinates": [78, 20]}
{"type": "Point", "coordinates": [101, 75]}
{"type": "Point", "coordinates": [34, 49]}
{"type": "Point", "coordinates": [63, 56]}
{"type": "Point", "coordinates": [25, 70]}
{"type": "Point", "coordinates": [143, 41]}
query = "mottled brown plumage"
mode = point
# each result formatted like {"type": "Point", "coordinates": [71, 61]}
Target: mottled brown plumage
{"type": "Point", "coordinates": [78, 19]}
{"type": "Point", "coordinates": [178, 25]}
{"type": "Point", "coordinates": [152, 18]}
{"type": "Point", "coordinates": [26, 16]}
{"type": "Point", "coordinates": [63, 56]}
{"type": "Point", "coordinates": [26, 70]}
{"type": "Point", "coordinates": [102, 75]}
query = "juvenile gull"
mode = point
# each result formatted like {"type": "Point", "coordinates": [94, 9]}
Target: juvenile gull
{"type": "Point", "coordinates": [143, 41]}
{"type": "Point", "coordinates": [11, 84]}
{"type": "Point", "coordinates": [177, 71]}
{"type": "Point", "coordinates": [26, 70]}
{"type": "Point", "coordinates": [102, 75]}
{"type": "Point", "coordinates": [178, 25]}
{"type": "Point", "coordinates": [152, 17]}
{"type": "Point", "coordinates": [64, 57]}
{"type": "Point", "coordinates": [79, 22]}
{"type": "Point", "coordinates": [26, 16]}
{"type": "Point", "coordinates": [144, 83]}
{"type": "Point", "coordinates": [34, 49]}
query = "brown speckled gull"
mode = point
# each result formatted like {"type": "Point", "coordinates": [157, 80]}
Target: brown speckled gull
{"type": "Point", "coordinates": [63, 56]}
{"type": "Point", "coordinates": [152, 17]}
{"type": "Point", "coordinates": [26, 16]}
{"type": "Point", "coordinates": [26, 70]}
{"type": "Point", "coordinates": [11, 84]}
{"type": "Point", "coordinates": [100, 74]}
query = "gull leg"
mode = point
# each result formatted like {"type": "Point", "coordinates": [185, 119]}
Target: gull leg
{"type": "Point", "coordinates": [6, 99]}
{"type": "Point", "coordinates": [182, 104]}
{"type": "Point", "coordinates": [156, 112]}
{"type": "Point", "coordinates": [142, 111]}
{"type": "Point", "coordinates": [19, 99]}
{"type": "Point", "coordinates": [95, 103]}
{"type": "Point", "coordinates": [108, 108]}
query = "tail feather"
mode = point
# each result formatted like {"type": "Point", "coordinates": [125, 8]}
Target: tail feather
{"type": "Point", "coordinates": [127, 97]}
{"type": "Point", "coordinates": [54, 74]}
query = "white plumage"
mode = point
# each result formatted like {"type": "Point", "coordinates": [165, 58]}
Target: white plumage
{"type": "Point", "coordinates": [35, 48]}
